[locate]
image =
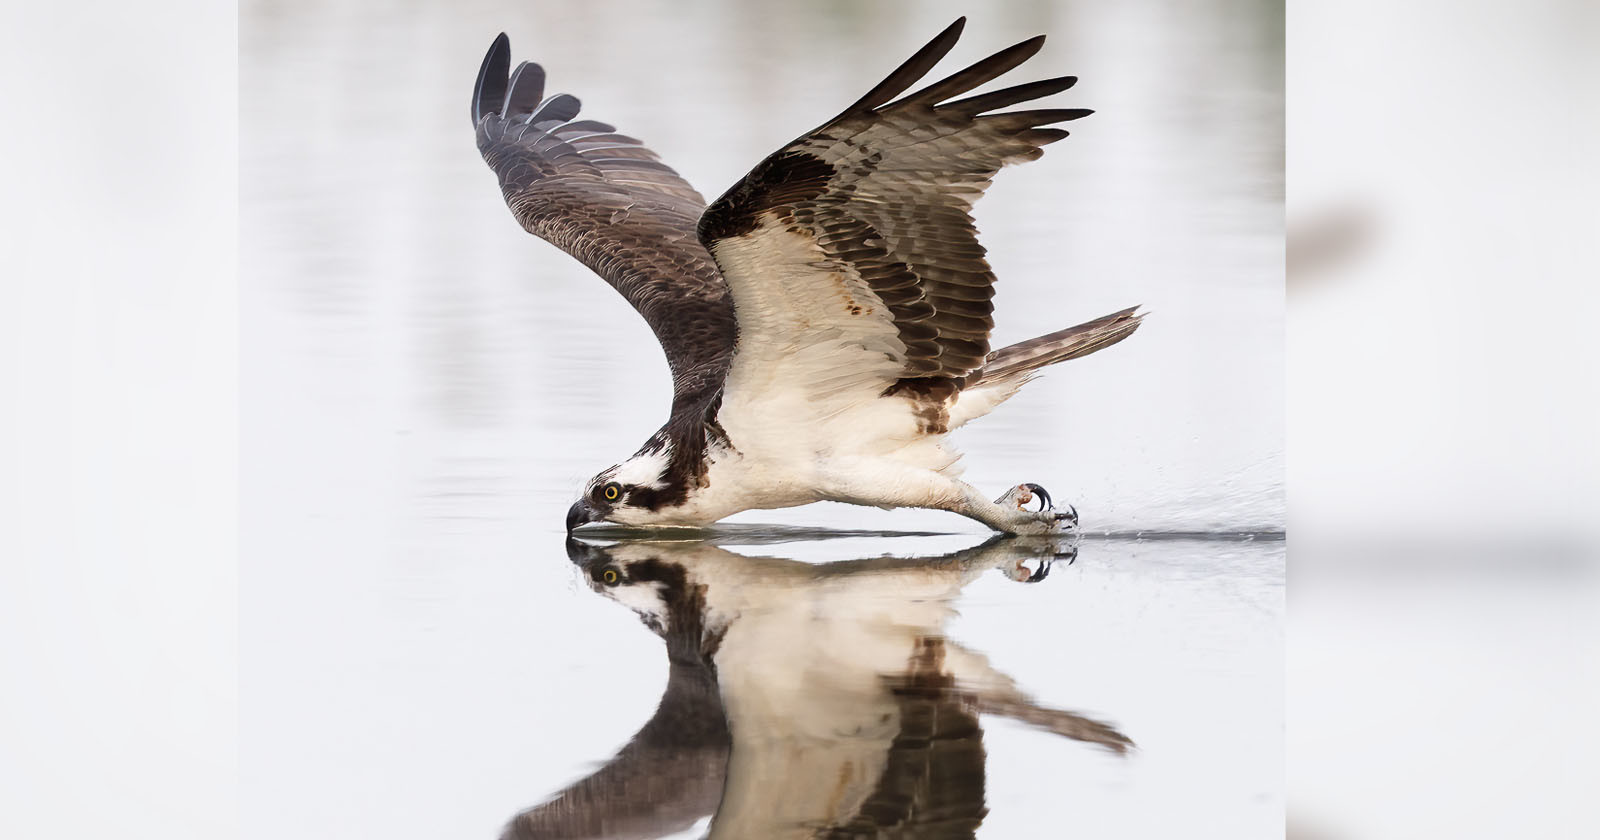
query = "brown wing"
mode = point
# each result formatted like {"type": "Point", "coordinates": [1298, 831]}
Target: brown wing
{"type": "Point", "coordinates": [865, 221]}
{"type": "Point", "coordinates": [932, 784]}
{"type": "Point", "coordinates": [664, 780]}
{"type": "Point", "coordinates": [607, 200]}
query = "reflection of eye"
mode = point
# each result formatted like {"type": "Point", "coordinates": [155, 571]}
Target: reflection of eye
{"type": "Point", "coordinates": [612, 491]}
{"type": "Point", "coordinates": [610, 577]}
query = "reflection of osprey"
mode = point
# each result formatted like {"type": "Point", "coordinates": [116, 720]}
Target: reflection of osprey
{"type": "Point", "coordinates": [850, 713]}
{"type": "Point", "coordinates": [827, 319]}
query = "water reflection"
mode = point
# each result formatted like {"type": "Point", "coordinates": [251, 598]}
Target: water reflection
{"type": "Point", "coordinates": [425, 385]}
{"type": "Point", "coordinates": [849, 711]}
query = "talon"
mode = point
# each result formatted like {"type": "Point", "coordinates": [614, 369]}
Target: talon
{"type": "Point", "coordinates": [1044, 569]}
{"type": "Point", "coordinates": [1043, 494]}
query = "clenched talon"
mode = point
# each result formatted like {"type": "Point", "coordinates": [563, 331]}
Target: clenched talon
{"type": "Point", "coordinates": [1043, 494]}
{"type": "Point", "coordinates": [1021, 573]}
{"type": "Point", "coordinates": [1021, 517]}
{"type": "Point", "coordinates": [1021, 495]}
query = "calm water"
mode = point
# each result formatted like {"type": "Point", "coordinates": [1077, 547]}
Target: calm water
{"type": "Point", "coordinates": [425, 386]}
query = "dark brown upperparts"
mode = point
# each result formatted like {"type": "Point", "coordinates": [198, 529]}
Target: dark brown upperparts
{"type": "Point", "coordinates": [608, 201]}
{"type": "Point", "coordinates": [885, 189]}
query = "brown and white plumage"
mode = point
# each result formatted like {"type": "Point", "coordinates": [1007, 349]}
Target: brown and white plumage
{"type": "Point", "coordinates": [884, 191]}
{"type": "Point", "coordinates": [609, 201]}
{"type": "Point", "coordinates": [827, 320]}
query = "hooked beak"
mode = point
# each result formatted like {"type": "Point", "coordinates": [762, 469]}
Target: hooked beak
{"type": "Point", "coordinates": [579, 514]}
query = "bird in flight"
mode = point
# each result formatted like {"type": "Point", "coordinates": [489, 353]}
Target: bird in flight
{"type": "Point", "coordinates": [827, 319]}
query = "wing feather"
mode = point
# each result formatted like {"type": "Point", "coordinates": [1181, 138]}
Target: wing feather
{"type": "Point", "coordinates": [490, 89]}
{"type": "Point", "coordinates": [525, 92]}
{"type": "Point", "coordinates": [606, 199]}
{"type": "Point", "coordinates": [913, 69]}
{"type": "Point", "coordinates": [866, 222]}
{"type": "Point", "coordinates": [1007, 97]}
{"type": "Point", "coordinates": [990, 68]}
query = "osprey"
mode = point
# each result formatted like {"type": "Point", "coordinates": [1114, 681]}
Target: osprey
{"type": "Point", "coordinates": [849, 712]}
{"type": "Point", "coordinates": [827, 319]}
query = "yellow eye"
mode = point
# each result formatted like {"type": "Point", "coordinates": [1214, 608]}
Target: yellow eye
{"type": "Point", "coordinates": [610, 576]}
{"type": "Point", "coordinates": [612, 491]}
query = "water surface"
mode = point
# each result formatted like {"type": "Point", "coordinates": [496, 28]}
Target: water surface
{"type": "Point", "coordinates": [425, 386]}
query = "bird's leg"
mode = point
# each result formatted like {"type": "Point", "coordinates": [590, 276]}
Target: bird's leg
{"type": "Point", "coordinates": [1014, 512]}
{"type": "Point", "coordinates": [886, 483]}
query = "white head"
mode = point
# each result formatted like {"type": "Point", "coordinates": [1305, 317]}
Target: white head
{"type": "Point", "coordinates": [633, 492]}
{"type": "Point", "coordinates": [655, 583]}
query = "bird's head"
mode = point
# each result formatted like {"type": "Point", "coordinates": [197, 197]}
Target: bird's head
{"type": "Point", "coordinates": [655, 583]}
{"type": "Point", "coordinates": [633, 492]}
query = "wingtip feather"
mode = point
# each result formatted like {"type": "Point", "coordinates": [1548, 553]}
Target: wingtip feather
{"type": "Point", "coordinates": [526, 91]}
{"type": "Point", "coordinates": [974, 105]}
{"type": "Point", "coordinates": [911, 69]}
{"type": "Point", "coordinates": [490, 89]}
{"type": "Point", "coordinates": [977, 74]}
{"type": "Point", "coordinates": [558, 108]}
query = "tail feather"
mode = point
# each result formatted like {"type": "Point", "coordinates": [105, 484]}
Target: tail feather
{"type": "Point", "coordinates": [1009, 368]}
{"type": "Point", "coordinates": [1025, 357]}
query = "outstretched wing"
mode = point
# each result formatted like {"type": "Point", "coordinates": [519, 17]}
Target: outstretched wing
{"type": "Point", "coordinates": [932, 784]}
{"type": "Point", "coordinates": [851, 254]}
{"type": "Point", "coordinates": [607, 200]}
{"type": "Point", "coordinates": [661, 782]}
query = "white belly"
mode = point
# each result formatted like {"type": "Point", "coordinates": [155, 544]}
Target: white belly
{"type": "Point", "coordinates": [773, 464]}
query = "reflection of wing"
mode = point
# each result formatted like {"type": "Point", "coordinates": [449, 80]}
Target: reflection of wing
{"type": "Point", "coordinates": [606, 199]}
{"type": "Point", "coordinates": [666, 778]}
{"type": "Point", "coordinates": [852, 249]}
{"type": "Point", "coordinates": [933, 779]}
